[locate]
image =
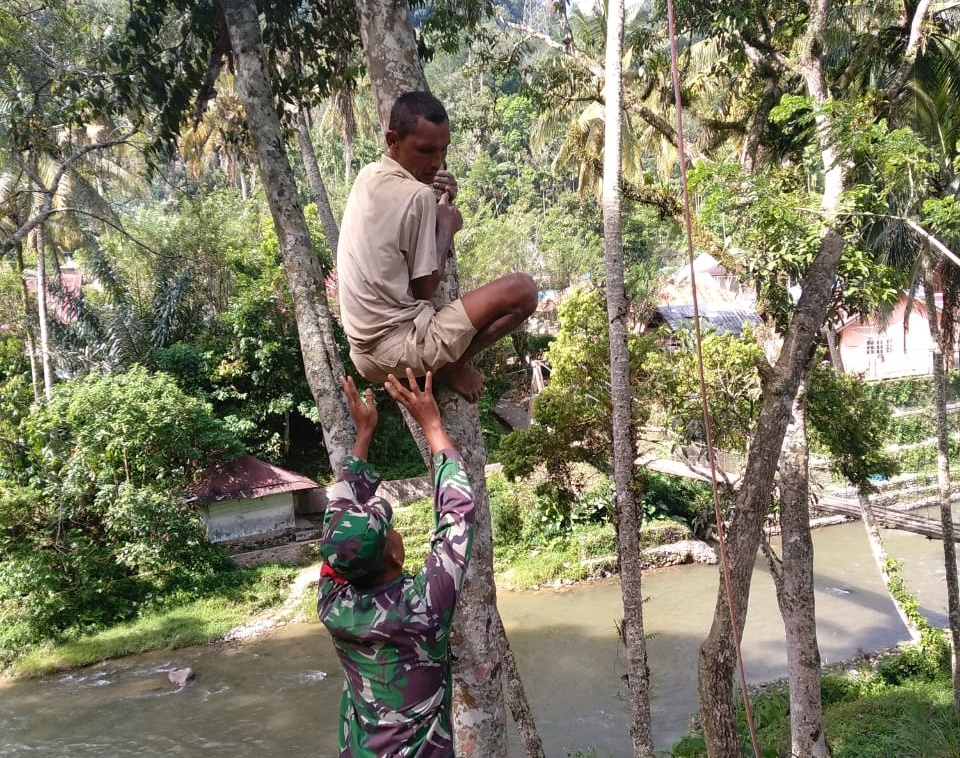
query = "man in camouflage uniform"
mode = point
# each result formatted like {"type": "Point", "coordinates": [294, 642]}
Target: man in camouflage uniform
{"type": "Point", "coordinates": [391, 630]}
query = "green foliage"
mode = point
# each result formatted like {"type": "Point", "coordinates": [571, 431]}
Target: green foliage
{"type": "Point", "coordinates": [393, 449]}
{"type": "Point", "coordinates": [686, 500]}
{"type": "Point", "coordinates": [912, 720]}
{"type": "Point", "coordinates": [257, 383]}
{"type": "Point", "coordinates": [845, 421]}
{"type": "Point", "coordinates": [769, 219]}
{"type": "Point", "coordinates": [211, 609]}
{"type": "Point", "coordinates": [732, 384]}
{"type": "Point", "coordinates": [506, 510]}
{"type": "Point", "coordinates": [909, 430]}
{"type": "Point", "coordinates": [901, 707]}
{"type": "Point", "coordinates": [94, 523]}
{"type": "Point", "coordinates": [913, 392]}
{"type": "Point", "coordinates": [922, 458]}
{"type": "Point", "coordinates": [572, 414]}
{"type": "Point", "coordinates": [922, 662]}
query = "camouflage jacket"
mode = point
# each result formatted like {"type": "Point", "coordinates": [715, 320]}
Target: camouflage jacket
{"type": "Point", "coordinates": [393, 641]}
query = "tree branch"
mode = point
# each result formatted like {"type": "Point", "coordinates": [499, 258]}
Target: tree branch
{"type": "Point", "coordinates": [46, 208]}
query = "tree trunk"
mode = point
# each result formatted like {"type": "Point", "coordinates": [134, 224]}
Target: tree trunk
{"type": "Point", "coordinates": [482, 660]}
{"type": "Point", "coordinates": [479, 715]}
{"type": "Point", "coordinates": [28, 338]}
{"type": "Point", "coordinates": [320, 358]}
{"type": "Point", "coordinates": [795, 593]}
{"type": "Point", "coordinates": [395, 67]}
{"type": "Point", "coordinates": [344, 101]}
{"type": "Point", "coordinates": [315, 182]}
{"type": "Point", "coordinates": [40, 246]}
{"type": "Point", "coordinates": [780, 384]}
{"type": "Point", "coordinates": [638, 673]}
{"type": "Point", "coordinates": [943, 472]}
{"type": "Point", "coordinates": [880, 556]}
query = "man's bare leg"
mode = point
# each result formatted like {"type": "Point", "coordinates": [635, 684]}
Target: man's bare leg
{"type": "Point", "coordinates": [498, 308]}
{"type": "Point", "coordinates": [495, 309]}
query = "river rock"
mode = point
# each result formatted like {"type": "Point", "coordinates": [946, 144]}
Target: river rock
{"type": "Point", "coordinates": [677, 553]}
{"type": "Point", "coordinates": [181, 677]}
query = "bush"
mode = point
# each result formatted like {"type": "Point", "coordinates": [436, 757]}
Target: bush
{"type": "Point", "coordinates": [903, 393]}
{"type": "Point", "coordinates": [909, 430]}
{"type": "Point", "coordinates": [925, 662]}
{"type": "Point", "coordinates": [506, 510]}
{"type": "Point", "coordinates": [96, 524]}
{"type": "Point", "coordinates": [673, 497]}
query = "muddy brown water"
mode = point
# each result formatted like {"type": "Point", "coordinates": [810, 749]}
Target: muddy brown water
{"type": "Point", "coordinates": [277, 695]}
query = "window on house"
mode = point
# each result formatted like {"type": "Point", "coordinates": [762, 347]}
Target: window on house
{"type": "Point", "coordinates": [879, 345]}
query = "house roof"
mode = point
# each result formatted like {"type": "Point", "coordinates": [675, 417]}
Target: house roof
{"type": "Point", "coordinates": [726, 320]}
{"type": "Point", "coordinates": [714, 284]}
{"type": "Point", "coordinates": [247, 477]}
{"type": "Point", "coordinates": [917, 304]}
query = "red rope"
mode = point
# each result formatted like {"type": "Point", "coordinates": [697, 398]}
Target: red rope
{"type": "Point", "coordinates": [724, 562]}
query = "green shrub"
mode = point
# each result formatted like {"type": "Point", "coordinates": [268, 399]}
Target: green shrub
{"type": "Point", "coordinates": [596, 505]}
{"type": "Point", "coordinates": [908, 430]}
{"type": "Point", "coordinates": [925, 662]}
{"type": "Point", "coordinates": [903, 393]}
{"type": "Point", "coordinates": [96, 523]}
{"type": "Point", "coordinates": [673, 497]}
{"type": "Point", "coordinates": [506, 510]}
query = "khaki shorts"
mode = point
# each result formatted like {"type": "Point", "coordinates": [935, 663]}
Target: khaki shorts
{"type": "Point", "coordinates": [429, 346]}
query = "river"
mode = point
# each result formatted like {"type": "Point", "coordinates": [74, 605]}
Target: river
{"type": "Point", "coordinates": [277, 695]}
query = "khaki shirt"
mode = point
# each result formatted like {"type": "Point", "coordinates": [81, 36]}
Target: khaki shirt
{"type": "Point", "coordinates": [387, 238]}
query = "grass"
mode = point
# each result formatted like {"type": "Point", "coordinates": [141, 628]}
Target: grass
{"type": "Point", "coordinates": [192, 623]}
{"type": "Point", "coordinates": [574, 556]}
{"type": "Point", "coordinates": [864, 716]}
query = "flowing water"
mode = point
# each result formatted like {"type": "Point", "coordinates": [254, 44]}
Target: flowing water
{"type": "Point", "coordinates": [277, 695]}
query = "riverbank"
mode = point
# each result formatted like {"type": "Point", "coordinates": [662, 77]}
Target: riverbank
{"type": "Point", "coordinates": [567, 647]}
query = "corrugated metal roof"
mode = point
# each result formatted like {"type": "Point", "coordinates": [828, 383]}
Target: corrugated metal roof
{"type": "Point", "coordinates": [724, 320]}
{"type": "Point", "coordinates": [247, 477]}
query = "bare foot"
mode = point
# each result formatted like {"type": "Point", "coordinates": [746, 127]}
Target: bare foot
{"type": "Point", "coordinates": [463, 378]}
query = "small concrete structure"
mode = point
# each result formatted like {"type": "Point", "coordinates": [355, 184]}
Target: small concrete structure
{"type": "Point", "coordinates": [249, 498]}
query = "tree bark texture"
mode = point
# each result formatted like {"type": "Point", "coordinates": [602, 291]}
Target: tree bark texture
{"type": "Point", "coordinates": [40, 246]}
{"type": "Point", "coordinates": [304, 278]}
{"type": "Point", "coordinates": [780, 384]}
{"type": "Point", "coordinates": [875, 539]}
{"type": "Point", "coordinates": [315, 182]}
{"type": "Point", "coordinates": [795, 594]}
{"type": "Point", "coordinates": [638, 672]}
{"type": "Point", "coordinates": [395, 68]}
{"type": "Point", "coordinates": [28, 339]}
{"type": "Point", "coordinates": [482, 659]}
{"type": "Point", "coordinates": [479, 715]}
{"type": "Point", "coordinates": [943, 472]}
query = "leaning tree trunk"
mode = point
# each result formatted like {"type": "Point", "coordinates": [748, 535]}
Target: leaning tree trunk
{"type": "Point", "coordinates": [628, 548]}
{"type": "Point", "coordinates": [304, 277]}
{"type": "Point", "coordinates": [795, 590]}
{"type": "Point", "coordinates": [943, 472]}
{"type": "Point", "coordinates": [780, 384]}
{"type": "Point", "coordinates": [879, 552]}
{"type": "Point", "coordinates": [316, 184]}
{"type": "Point", "coordinates": [482, 661]}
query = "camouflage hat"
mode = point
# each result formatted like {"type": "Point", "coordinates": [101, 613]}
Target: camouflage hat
{"type": "Point", "coordinates": [354, 536]}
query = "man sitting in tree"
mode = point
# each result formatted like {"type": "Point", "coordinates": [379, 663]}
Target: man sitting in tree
{"type": "Point", "coordinates": [391, 630]}
{"type": "Point", "coordinates": [395, 238]}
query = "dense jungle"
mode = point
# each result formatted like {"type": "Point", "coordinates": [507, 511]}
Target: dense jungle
{"type": "Point", "coordinates": [172, 175]}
